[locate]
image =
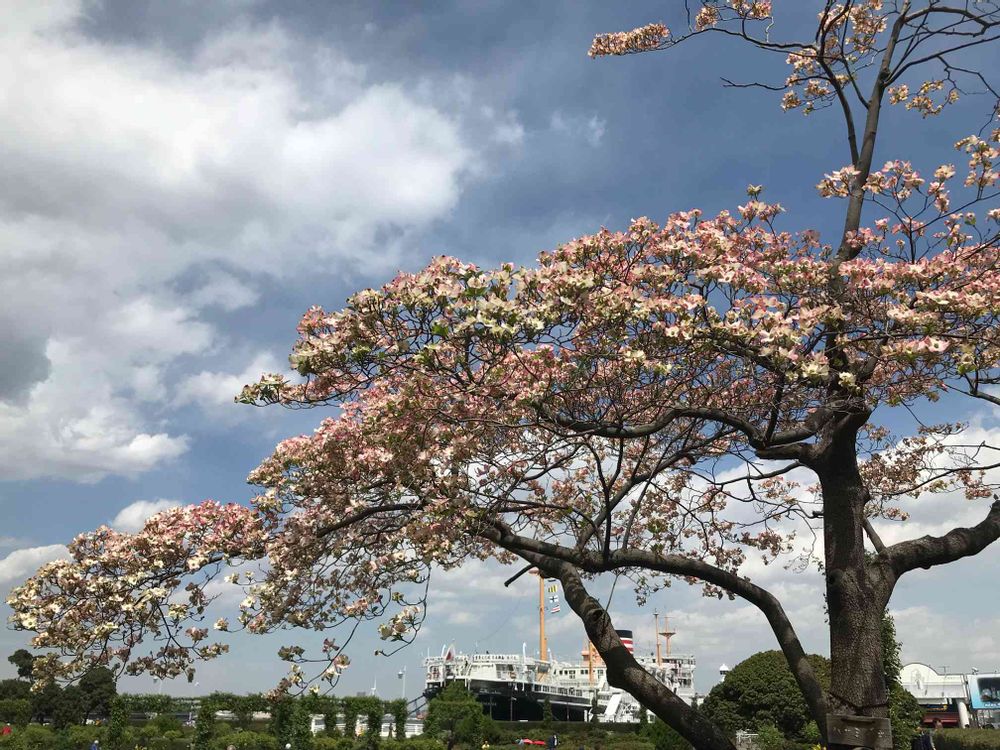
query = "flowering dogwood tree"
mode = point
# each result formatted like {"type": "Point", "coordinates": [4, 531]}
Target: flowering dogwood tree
{"type": "Point", "coordinates": [644, 403]}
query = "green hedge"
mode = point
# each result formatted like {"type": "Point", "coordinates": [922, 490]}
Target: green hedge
{"type": "Point", "coordinates": [967, 739]}
{"type": "Point", "coordinates": [245, 741]}
{"type": "Point", "coordinates": [333, 743]}
{"type": "Point", "coordinates": [412, 743]}
{"type": "Point", "coordinates": [169, 743]}
{"type": "Point", "coordinates": [566, 727]}
{"type": "Point", "coordinates": [16, 711]}
{"type": "Point", "coordinates": [31, 737]}
{"type": "Point", "coordinates": [575, 736]}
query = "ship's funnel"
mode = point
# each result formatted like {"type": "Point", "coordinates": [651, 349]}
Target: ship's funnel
{"type": "Point", "coordinates": [626, 636]}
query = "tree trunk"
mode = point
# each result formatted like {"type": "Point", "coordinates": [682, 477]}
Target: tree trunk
{"type": "Point", "coordinates": [623, 671]}
{"type": "Point", "coordinates": [856, 592]}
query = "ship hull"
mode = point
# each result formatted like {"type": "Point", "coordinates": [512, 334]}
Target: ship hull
{"type": "Point", "coordinates": [522, 702]}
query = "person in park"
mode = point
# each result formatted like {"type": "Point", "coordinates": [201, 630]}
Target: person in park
{"type": "Point", "coordinates": [659, 402]}
{"type": "Point", "coordinates": [6, 730]}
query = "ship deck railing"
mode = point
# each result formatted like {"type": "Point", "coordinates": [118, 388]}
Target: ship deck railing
{"type": "Point", "coordinates": [480, 659]}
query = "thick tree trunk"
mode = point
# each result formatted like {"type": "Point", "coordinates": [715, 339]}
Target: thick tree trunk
{"type": "Point", "coordinates": [856, 592]}
{"type": "Point", "coordinates": [626, 673]}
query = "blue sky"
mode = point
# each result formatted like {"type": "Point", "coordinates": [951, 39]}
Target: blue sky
{"type": "Point", "coordinates": [182, 180]}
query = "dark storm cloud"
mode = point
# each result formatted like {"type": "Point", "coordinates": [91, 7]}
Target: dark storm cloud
{"type": "Point", "coordinates": [24, 364]}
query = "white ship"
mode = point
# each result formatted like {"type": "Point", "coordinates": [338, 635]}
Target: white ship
{"type": "Point", "coordinates": [515, 687]}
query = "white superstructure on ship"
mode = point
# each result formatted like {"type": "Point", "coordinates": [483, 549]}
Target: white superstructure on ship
{"type": "Point", "coordinates": [516, 686]}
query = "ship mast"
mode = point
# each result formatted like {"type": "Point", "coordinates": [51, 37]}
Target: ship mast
{"type": "Point", "coordinates": [667, 634]}
{"type": "Point", "coordinates": [542, 650]}
{"type": "Point", "coordinates": [656, 629]}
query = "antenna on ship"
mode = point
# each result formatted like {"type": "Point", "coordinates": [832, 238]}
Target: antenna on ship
{"type": "Point", "coordinates": [666, 634]}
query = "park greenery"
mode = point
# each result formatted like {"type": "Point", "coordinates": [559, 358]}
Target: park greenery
{"type": "Point", "coordinates": [454, 719]}
{"type": "Point", "coordinates": [659, 403]}
{"type": "Point", "coordinates": [760, 695]}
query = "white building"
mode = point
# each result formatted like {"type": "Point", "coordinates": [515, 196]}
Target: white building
{"type": "Point", "coordinates": [942, 696]}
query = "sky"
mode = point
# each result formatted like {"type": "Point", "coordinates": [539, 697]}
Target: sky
{"type": "Point", "coordinates": [182, 180]}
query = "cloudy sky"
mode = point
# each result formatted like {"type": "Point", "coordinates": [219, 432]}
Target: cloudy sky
{"type": "Point", "coordinates": [181, 180]}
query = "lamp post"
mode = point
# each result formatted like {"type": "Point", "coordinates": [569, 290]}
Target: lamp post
{"type": "Point", "coordinates": [194, 689]}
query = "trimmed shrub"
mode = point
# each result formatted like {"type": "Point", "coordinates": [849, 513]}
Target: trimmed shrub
{"type": "Point", "coordinates": [169, 743]}
{"type": "Point", "coordinates": [81, 737]}
{"type": "Point", "coordinates": [245, 741]}
{"type": "Point", "coordinates": [967, 739]}
{"type": "Point", "coordinates": [34, 737]}
{"type": "Point", "coordinates": [16, 711]}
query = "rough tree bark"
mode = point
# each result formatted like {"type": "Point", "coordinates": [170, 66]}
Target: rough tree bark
{"type": "Point", "coordinates": [856, 592]}
{"type": "Point", "coordinates": [623, 671]}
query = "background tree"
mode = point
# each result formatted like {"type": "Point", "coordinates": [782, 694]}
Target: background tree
{"type": "Point", "coordinates": [454, 715]}
{"type": "Point", "coordinates": [23, 660]}
{"type": "Point", "coordinates": [548, 718]}
{"type": "Point", "coordinates": [351, 711]}
{"type": "Point", "coordinates": [374, 711]}
{"type": "Point", "coordinates": [282, 720]}
{"type": "Point", "coordinates": [904, 711]}
{"type": "Point", "coordinates": [45, 702]}
{"type": "Point", "coordinates": [399, 710]}
{"type": "Point", "coordinates": [769, 737]}
{"type": "Point", "coordinates": [16, 711]}
{"type": "Point", "coordinates": [69, 709]}
{"type": "Point", "coordinates": [657, 403]}
{"type": "Point", "coordinates": [301, 730]}
{"type": "Point", "coordinates": [14, 690]}
{"type": "Point", "coordinates": [663, 737]}
{"type": "Point", "coordinates": [97, 691]}
{"type": "Point", "coordinates": [761, 691]}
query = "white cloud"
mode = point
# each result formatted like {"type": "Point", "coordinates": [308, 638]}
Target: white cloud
{"type": "Point", "coordinates": [935, 637]}
{"type": "Point", "coordinates": [476, 578]}
{"type": "Point", "coordinates": [129, 172]}
{"type": "Point", "coordinates": [591, 129]}
{"type": "Point", "coordinates": [217, 390]}
{"type": "Point", "coordinates": [507, 129]}
{"type": "Point", "coordinates": [21, 563]}
{"type": "Point", "coordinates": [595, 130]}
{"type": "Point", "coordinates": [133, 517]}
{"type": "Point", "coordinates": [224, 292]}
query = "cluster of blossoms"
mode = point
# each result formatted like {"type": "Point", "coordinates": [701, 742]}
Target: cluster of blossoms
{"type": "Point", "coordinates": [847, 38]}
{"type": "Point", "coordinates": [753, 9]}
{"type": "Point", "coordinates": [119, 590]}
{"type": "Point", "coordinates": [708, 16]}
{"type": "Point", "coordinates": [713, 13]}
{"type": "Point", "coordinates": [923, 101]}
{"type": "Point", "coordinates": [983, 156]}
{"type": "Point", "coordinates": [900, 181]}
{"type": "Point", "coordinates": [643, 39]}
{"type": "Point", "coordinates": [403, 622]}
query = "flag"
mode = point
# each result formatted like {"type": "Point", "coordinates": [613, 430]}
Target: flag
{"type": "Point", "coordinates": [552, 587]}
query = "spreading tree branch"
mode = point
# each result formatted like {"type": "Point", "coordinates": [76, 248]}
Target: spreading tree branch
{"type": "Point", "coordinates": [928, 551]}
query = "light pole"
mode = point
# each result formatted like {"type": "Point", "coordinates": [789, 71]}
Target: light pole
{"type": "Point", "coordinates": [194, 689]}
{"type": "Point", "coordinates": [401, 674]}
